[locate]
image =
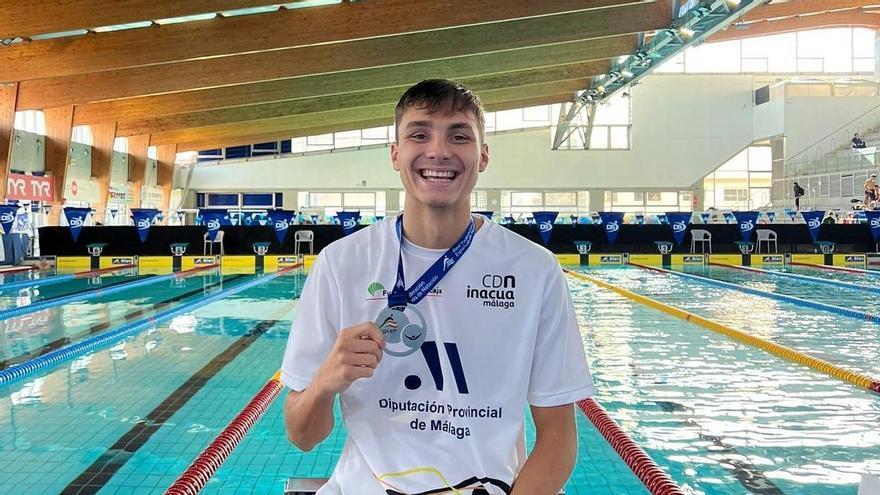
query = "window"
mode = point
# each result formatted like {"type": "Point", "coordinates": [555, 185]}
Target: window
{"type": "Point", "coordinates": [736, 194]}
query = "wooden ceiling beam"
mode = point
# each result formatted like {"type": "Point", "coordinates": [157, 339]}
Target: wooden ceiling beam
{"type": "Point", "coordinates": [356, 114]}
{"type": "Point", "coordinates": [23, 18]}
{"type": "Point", "coordinates": [579, 71]}
{"type": "Point", "coordinates": [132, 109]}
{"type": "Point", "coordinates": [790, 24]}
{"type": "Point", "coordinates": [244, 139]}
{"type": "Point", "coordinates": [325, 59]}
{"type": "Point", "coordinates": [272, 31]}
{"type": "Point", "coordinates": [798, 7]}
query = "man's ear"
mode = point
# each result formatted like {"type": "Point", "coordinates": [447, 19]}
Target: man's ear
{"type": "Point", "coordinates": [484, 157]}
{"type": "Point", "coordinates": [394, 151]}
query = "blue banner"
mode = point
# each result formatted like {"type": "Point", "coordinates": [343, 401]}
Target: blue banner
{"type": "Point", "coordinates": [705, 217]}
{"type": "Point", "coordinates": [544, 220]}
{"type": "Point", "coordinates": [873, 222]}
{"type": "Point", "coordinates": [612, 220]}
{"type": "Point", "coordinates": [679, 222]}
{"type": "Point", "coordinates": [771, 216]}
{"type": "Point", "coordinates": [791, 213]}
{"type": "Point", "coordinates": [640, 218]}
{"type": "Point", "coordinates": [143, 218]}
{"type": "Point", "coordinates": [214, 219]}
{"type": "Point", "coordinates": [747, 221]}
{"type": "Point", "coordinates": [281, 221]}
{"type": "Point", "coordinates": [662, 219]}
{"type": "Point", "coordinates": [487, 214]}
{"type": "Point", "coordinates": [76, 218]}
{"type": "Point", "coordinates": [814, 221]}
{"type": "Point", "coordinates": [7, 217]}
{"type": "Point", "coordinates": [348, 220]}
{"type": "Point", "coordinates": [729, 217]}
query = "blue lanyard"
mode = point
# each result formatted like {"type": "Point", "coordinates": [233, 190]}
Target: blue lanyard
{"type": "Point", "coordinates": [400, 296]}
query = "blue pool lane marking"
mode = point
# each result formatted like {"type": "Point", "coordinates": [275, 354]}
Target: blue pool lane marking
{"type": "Point", "coordinates": [53, 358]}
{"type": "Point", "coordinates": [99, 473]}
{"type": "Point", "coordinates": [850, 313]}
{"type": "Point", "coordinates": [34, 282]}
{"type": "Point", "coordinates": [100, 327]}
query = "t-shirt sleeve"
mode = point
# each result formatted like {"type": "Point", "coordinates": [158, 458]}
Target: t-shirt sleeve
{"type": "Point", "coordinates": [314, 329]}
{"type": "Point", "coordinates": [559, 366]}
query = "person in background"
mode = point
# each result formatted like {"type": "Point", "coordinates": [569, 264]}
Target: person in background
{"type": "Point", "coordinates": [798, 193]}
{"type": "Point", "coordinates": [871, 189]}
{"type": "Point", "coordinates": [858, 142]}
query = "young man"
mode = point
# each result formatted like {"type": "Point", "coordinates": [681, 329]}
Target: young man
{"type": "Point", "coordinates": [798, 192]}
{"type": "Point", "coordinates": [435, 329]}
{"type": "Point", "coordinates": [858, 142]}
{"type": "Point", "coordinates": [871, 189]}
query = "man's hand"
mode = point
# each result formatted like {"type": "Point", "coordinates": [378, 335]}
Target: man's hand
{"type": "Point", "coordinates": [356, 353]}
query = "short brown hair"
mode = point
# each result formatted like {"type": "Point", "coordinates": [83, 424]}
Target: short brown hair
{"type": "Point", "coordinates": [441, 94]}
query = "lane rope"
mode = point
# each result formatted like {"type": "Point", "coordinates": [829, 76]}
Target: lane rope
{"type": "Point", "coordinates": [853, 378]}
{"type": "Point", "coordinates": [31, 366]}
{"type": "Point", "coordinates": [839, 268]}
{"type": "Point", "coordinates": [61, 278]}
{"type": "Point", "coordinates": [805, 278]}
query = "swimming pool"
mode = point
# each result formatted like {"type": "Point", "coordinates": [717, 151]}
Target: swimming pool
{"type": "Point", "coordinates": [720, 417]}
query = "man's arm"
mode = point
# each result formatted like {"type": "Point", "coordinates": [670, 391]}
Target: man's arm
{"type": "Point", "coordinates": [308, 415]}
{"type": "Point", "coordinates": [550, 463]}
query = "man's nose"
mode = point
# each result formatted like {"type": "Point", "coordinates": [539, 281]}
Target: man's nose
{"type": "Point", "coordinates": [438, 149]}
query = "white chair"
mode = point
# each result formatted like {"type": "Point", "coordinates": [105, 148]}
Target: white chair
{"type": "Point", "coordinates": [703, 237]}
{"type": "Point", "coordinates": [208, 246]}
{"type": "Point", "coordinates": [301, 237]}
{"type": "Point", "coordinates": [768, 236]}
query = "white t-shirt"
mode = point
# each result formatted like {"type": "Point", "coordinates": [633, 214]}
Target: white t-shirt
{"type": "Point", "coordinates": [501, 334]}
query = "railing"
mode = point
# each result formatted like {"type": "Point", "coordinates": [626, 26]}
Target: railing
{"type": "Point", "coordinates": [834, 147]}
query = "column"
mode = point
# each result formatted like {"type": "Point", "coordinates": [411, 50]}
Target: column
{"type": "Point", "coordinates": [137, 164]}
{"type": "Point", "coordinates": [59, 122]}
{"type": "Point", "coordinates": [8, 94]}
{"type": "Point", "coordinates": [103, 136]}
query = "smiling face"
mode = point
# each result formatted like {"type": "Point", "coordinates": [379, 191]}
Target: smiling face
{"type": "Point", "coordinates": [439, 156]}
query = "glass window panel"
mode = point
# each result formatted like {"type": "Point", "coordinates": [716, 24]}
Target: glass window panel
{"type": "Point", "coordinates": [863, 65]}
{"type": "Point", "coordinates": [583, 199]}
{"type": "Point", "coordinates": [377, 133]}
{"type": "Point", "coordinates": [780, 51]}
{"type": "Point", "coordinates": [359, 199]}
{"type": "Point", "coordinates": [675, 64]}
{"type": "Point", "coordinates": [833, 46]}
{"type": "Point", "coordinates": [755, 65]}
{"type": "Point", "coordinates": [615, 111]}
{"type": "Point", "coordinates": [760, 158]}
{"type": "Point", "coordinates": [537, 114]}
{"type": "Point", "coordinates": [620, 137]}
{"type": "Point", "coordinates": [560, 199]}
{"type": "Point", "coordinates": [320, 140]}
{"type": "Point", "coordinates": [738, 162]}
{"type": "Point", "coordinates": [325, 199]}
{"type": "Point", "coordinates": [863, 42]}
{"type": "Point", "coordinates": [714, 57]}
{"type": "Point", "coordinates": [347, 139]}
{"type": "Point", "coordinates": [599, 137]}
{"type": "Point", "coordinates": [401, 198]}
{"type": "Point", "coordinates": [526, 199]}
{"type": "Point", "coordinates": [508, 119]}
{"type": "Point", "coordinates": [735, 194]}
{"type": "Point", "coordinates": [810, 65]}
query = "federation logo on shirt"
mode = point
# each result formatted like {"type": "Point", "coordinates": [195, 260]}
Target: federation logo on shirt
{"type": "Point", "coordinates": [495, 291]}
{"type": "Point", "coordinates": [378, 291]}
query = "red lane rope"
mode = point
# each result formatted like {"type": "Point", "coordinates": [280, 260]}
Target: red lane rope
{"type": "Point", "coordinates": [206, 464]}
{"type": "Point", "coordinates": [89, 273]}
{"type": "Point", "coordinates": [196, 269]}
{"type": "Point", "coordinates": [16, 269]}
{"type": "Point", "coordinates": [654, 478]}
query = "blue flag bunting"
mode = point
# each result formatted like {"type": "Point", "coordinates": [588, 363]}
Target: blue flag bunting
{"type": "Point", "coordinates": [705, 217]}
{"type": "Point", "coordinates": [791, 213]}
{"type": "Point", "coordinates": [544, 220]}
{"type": "Point", "coordinates": [747, 221]}
{"type": "Point", "coordinates": [771, 216]}
{"type": "Point", "coordinates": [679, 222]}
{"type": "Point", "coordinates": [349, 220]}
{"type": "Point", "coordinates": [729, 217]}
{"type": "Point", "coordinates": [662, 219]}
{"type": "Point", "coordinates": [143, 218]}
{"type": "Point", "coordinates": [76, 219]}
{"type": "Point", "coordinates": [874, 222]}
{"type": "Point", "coordinates": [612, 221]}
{"type": "Point", "coordinates": [814, 221]}
{"type": "Point", "coordinates": [640, 218]}
{"type": "Point", "coordinates": [281, 221]}
{"type": "Point", "coordinates": [214, 219]}
{"type": "Point", "coordinates": [7, 217]}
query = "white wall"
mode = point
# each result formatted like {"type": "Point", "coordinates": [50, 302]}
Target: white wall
{"type": "Point", "coordinates": [808, 120]}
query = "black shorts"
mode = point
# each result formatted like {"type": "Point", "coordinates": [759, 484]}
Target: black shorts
{"type": "Point", "coordinates": [871, 195]}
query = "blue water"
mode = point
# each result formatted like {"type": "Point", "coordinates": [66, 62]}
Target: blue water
{"type": "Point", "coordinates": [720, 417]}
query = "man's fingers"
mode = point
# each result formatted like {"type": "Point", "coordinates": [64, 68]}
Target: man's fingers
{"type": "Point", "coordinates": [366, 346]}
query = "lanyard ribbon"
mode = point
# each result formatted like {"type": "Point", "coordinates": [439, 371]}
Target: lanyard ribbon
{"type": "Point", "coordinates": [400, 296]}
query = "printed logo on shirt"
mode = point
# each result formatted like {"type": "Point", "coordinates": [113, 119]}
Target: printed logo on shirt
{"type": "Point", "coordinates": [495, 291]}
{"type": "Point", "coordinates": [378, 291]}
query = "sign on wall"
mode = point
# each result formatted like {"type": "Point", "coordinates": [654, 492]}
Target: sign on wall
{"type": "Point", "coordinates": [31, 187]}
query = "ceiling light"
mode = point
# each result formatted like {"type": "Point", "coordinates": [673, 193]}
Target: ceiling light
{"type": "Point", "coordinates": [686, 32]}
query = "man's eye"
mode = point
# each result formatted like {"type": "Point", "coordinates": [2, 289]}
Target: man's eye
{"type": "Point", "coordinates": [461, 138]}
{"type": "Point", "coordinates": [418, 136]}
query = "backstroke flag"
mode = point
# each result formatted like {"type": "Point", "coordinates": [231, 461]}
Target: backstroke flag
{"type": "Point", "coordinates": [746, 221]}
{"type": "Point", "coordinates": [705, 217]}
{"type": "Point", "coordinates": [544, 220]}
{"type": "Point", "coordinates": [612, 221]}
{"type": "Point", "coordinates": [7, 217]}
{"type": "Point", "coordinates": [349, 220]}
{"type": "Point", "coordinates": [771, 216]}
{"type": "Point", "coordinates": [281, 221]}
{"type": "Point", "coordinates": [76, 218]}
{"type": "Point", "coordinates": [143, 218]}
{"type": "Point", "coordinates": [873, 222]}
{"type": "Point", "coordinates": [214, 219]}
{"type": "Point", "coordinates": [814, 221]}
{"type": "Point", "coordinates": [679, 222]}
